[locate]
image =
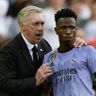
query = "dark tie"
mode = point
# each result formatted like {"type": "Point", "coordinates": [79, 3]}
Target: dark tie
{"type": "Point", "coordinates": [35, 55]}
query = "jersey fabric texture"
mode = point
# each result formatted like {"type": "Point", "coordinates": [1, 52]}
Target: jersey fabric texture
{"type": "Point", "coordinates": [72, 71]}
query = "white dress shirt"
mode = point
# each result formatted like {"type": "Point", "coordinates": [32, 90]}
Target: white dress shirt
{"type": "Point", "coordinates": [29, 45]}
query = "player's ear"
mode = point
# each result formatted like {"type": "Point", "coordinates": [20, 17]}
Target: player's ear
{"type": "Point", "coordinates": [56, 30]}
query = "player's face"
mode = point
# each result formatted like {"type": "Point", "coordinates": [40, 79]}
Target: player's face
{"type": "Point", "coordinates": [66, 30]}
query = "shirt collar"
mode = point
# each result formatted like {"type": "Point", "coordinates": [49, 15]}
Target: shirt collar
{"type": "Point", "coordinates": [29, 45]}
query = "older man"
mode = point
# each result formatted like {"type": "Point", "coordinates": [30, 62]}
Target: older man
{"type": "Point", "coordinates": [19, 75]}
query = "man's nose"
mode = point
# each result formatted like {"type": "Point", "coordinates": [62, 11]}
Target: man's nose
{"type": "Point", "coordinates": [40, 27]}
{"type": "Point", "coordinates": [68, 31]}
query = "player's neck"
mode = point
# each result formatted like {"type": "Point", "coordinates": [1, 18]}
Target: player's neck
{"type": "Point", "coordinates": [65, 48]}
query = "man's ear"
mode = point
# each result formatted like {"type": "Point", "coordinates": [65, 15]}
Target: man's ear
{"type": "Point", "coordinates": [22, 28]}
{"type": "Point", "coordinates": [56, 30]}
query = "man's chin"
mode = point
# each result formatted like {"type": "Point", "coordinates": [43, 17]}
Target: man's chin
{"type": "Point", "coordinates": [68, 42]}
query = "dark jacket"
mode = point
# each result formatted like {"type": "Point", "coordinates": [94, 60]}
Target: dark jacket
{"type": "Point", "coordinates": [17, 70]}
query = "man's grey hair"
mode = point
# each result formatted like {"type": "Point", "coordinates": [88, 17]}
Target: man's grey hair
{"type": "Point", "coordinates": [26, 12]}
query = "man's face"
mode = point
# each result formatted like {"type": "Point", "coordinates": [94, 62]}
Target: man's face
{"type": "Point", "coordinates": [33, 28]}
{"type": "Point", "coordinates": [66, 30]}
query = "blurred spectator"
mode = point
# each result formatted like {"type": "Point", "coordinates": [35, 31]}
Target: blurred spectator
{"type": "Point", "coordinates": [90, 27]}
{"type": "Point", "coordinates": [3, 32]}
{"type": "Point", "coordinates": [50, 35]}
{"type": "Point", "coordinates": [3, 7]}
{"type": "Point", "coordinates": [76, 6]}
{"type": "Point", "coordinates": [3, 26]}
{"type": "Point", "coordinates": [85, 11]}
{"type": "Point", "coordinates": [14, 7]}
{"type": "Point", "coordinates": [40, 3]}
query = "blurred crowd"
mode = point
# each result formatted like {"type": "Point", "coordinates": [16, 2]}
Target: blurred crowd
{"type": "Point", "coordinates": [85, 9]}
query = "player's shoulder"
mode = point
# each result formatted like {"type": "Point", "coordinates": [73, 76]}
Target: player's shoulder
{"type": "Point", "coordinates": [53, 52]}
{"type": "Point", "coordinates": [87, 48]}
